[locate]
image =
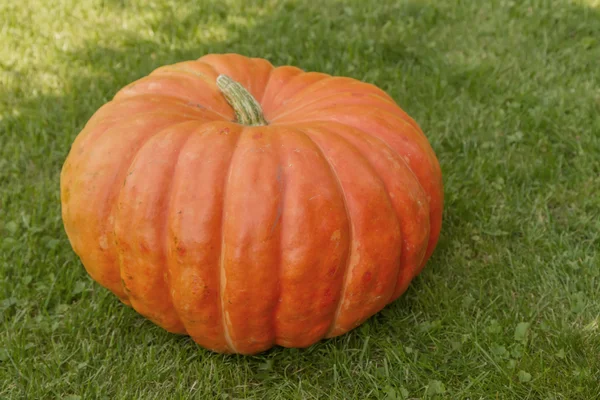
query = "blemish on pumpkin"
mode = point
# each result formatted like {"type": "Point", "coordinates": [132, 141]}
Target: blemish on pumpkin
{"type": "Point", "coordinates": [224, 131]}
{"type": "Point", "coordinates": [277, 218]}
{"type": "Point", "coordinates": [336, 236]}
{"type": "Point", "coordinates": [181, 250]}
{"type": "Point", "coordinates": [103, 242]}
{"type": "Point", "coordinates": [367, 277]}
{"type": "Point", "coordinates": [331, 271]}
{"type": "Point", "coordinates": [125, 288]}
{"type": "Point", "coordinates": [144, 247]}
{"type": "Point", "coordinates": [279, 178]}
{"type": "Point", "coordinates": [191, 104]}
{"type": "Point", "coordinates": [257, 135]}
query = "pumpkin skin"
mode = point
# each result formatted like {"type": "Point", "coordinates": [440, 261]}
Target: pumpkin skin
{"type": "Point", "coordinates": [246, 237]}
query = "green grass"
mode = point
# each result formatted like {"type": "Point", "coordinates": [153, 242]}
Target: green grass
{"type": "Point", "coordinates": [509, 95]}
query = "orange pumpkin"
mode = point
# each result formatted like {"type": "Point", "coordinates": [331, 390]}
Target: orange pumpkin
{"type": "Point", "coordinates": [248, 206]}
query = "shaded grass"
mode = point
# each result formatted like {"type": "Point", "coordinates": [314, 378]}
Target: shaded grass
{"type": "Point", "coordinates": [509, 95]}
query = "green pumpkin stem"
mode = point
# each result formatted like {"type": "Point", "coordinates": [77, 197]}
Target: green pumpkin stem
{"type": "Point", "coordinates": [247, 110]}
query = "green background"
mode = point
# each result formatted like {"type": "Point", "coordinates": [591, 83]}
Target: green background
{"type": "Point", "coordinates": [508, 93]}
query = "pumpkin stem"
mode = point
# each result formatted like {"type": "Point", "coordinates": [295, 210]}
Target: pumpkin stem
{"type": "Point", "coordinates": [247, 110]}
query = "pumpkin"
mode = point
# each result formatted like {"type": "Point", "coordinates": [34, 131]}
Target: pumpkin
{"type": "Point", "coordinates": [250, 206]}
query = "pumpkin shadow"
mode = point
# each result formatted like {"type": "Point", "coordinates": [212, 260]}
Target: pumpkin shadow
{"type": "Point", "coordinates": [409, 63]}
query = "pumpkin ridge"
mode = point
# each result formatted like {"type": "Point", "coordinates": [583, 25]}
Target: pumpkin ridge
{"type": "Point", "coordinates": [165, 226]}
{"type": "Point", "coordinates": [433, 170]}
{"type": "Point", "coordinates": [293, 80]}
{"type": "Point", "coordinates": [179, 101]}
{"type": "Point", "coordinates": [417, 268]}
{"type": "Point", "coordinates": [346, 82]}
{"type": "Point", "coordinates": [295, 124]}
{"type": "Point", "coordinates": [276, 73]}
{"type": "Point", "coordinates": [279, 220]}
{"type": "Point", "coordinates": [378, 139]}
{"type": "Point", "coordinates": [146, 114]}
{"type": "Point", "coordinates": [351, 235]}
{"type": "Point", "coordinates": [178, 69]}
{"type": "Point", "coordinates": [193, 232]}
{"type": "Point", "coordinates": [174, 72]}
{"type": "Point", "coordinates": [107, 111]}
{"type": "Point", "coordinates": [264, 89]}
{"type": "Point", "coordinates": [211, 58]}
{"type": "Point", "coordinates": [383, 183]}
{"type": "Point", "coordinates": [423, 142]}
{"type": "Point", "coordinates": [66, 180]}
{"type": "Point", "coordinates": [119, 189]}
{"type": "Point", "coordinates": [88, 141]}
{"type": "Point", "coordinates": [302, 106]}
{"type": "Point", "coordinates": [222, 277]}
{"type": "Point", "coordinates": [188, 88]}
{"type": "Point", "coordinates": [217, 73]}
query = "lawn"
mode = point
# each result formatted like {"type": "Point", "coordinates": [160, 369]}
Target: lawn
{"type": "Point", "coordinates": [508, 93]}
